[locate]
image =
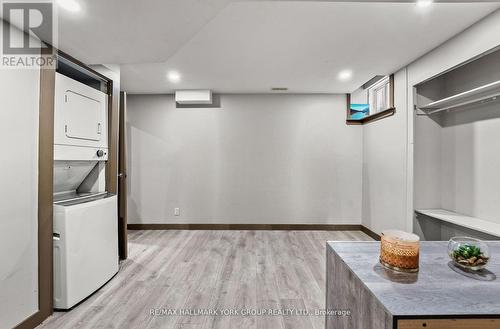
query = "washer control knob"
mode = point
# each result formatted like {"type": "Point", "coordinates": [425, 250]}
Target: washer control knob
{"type": "Point", "coordinates": [100, 153]}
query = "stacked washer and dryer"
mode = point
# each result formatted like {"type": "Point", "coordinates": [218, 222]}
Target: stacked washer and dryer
{"type": "Point", "coordinates": [85, 233]}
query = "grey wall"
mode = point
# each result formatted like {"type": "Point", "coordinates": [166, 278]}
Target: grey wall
{"type": "Point", "coordinates": [19, 96]}
{"type": "Point", "coordinates": [384, 165]}
{"type": "Point", "coordinates": [256, 159]}
{"type": "Point", "coordinates": [470, 162]}
{"type": "Point", "coordinates": [456, 162]}
{"type": "Point", "coordinates": [387, 151]}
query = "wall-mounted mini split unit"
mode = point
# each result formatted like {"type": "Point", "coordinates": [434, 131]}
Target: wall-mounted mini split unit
{"type": "Point", "coordinates": [193, 97]}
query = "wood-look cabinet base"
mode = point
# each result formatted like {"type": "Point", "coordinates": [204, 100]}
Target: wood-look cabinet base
{"type": "Point", "coordinates": [449, 324]}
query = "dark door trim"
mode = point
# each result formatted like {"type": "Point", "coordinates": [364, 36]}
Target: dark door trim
{"type": "Point", "coordinates": [122, 180]}
{"type": "Point", "coordinates": [45, 198]}
{"type": "Point", "coordinates": [113, 124]}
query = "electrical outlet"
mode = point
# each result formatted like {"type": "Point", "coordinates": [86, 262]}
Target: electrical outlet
{"type": "Point", "coordinates": [177, 211]}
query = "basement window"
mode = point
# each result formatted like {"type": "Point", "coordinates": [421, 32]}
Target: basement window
{"type": "Point", "coordinates": [373, 101]}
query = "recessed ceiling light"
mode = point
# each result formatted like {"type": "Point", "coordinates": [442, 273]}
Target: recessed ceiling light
{"type": "Point", "coordinates": [174, 76]}
{"type": "Point", "coordinates": [345, 75]}
{"type": "Point", "coordinates": [424, 3]}
{"type": "Point", "coordinates": [69, 5]}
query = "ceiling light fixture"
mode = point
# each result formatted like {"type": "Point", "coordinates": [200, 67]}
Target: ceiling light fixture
{"type": "Point", "coordinates": [424, 3]}
{"type": "Point", "coordinates": [69, 5]}
{"type": "Point", "coordinates": [174, 76]}
{"type": "Point", "coordinates": [345, 75]}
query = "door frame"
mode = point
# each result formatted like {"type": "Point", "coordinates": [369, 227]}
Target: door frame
{"type": "Point", "coordinates": [45, 196]}
{"type": "Point", "coordinates": [122, 179]}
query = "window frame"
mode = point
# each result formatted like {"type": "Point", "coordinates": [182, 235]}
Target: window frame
{"type": "Point", "coordinates": [390, 111]}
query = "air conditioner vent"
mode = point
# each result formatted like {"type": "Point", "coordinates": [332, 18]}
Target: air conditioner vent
{"type": "Point", "coordinates": [193, 97]}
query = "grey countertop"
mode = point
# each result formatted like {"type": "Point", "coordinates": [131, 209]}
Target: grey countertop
{"type": "Point", "coordinates": [435, 290]}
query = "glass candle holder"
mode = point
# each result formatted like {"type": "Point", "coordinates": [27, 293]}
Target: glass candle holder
{"type": "Point", "coordinates": [400, 251]}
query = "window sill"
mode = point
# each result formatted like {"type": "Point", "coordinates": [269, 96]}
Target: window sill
{"type": "Point", "coordinates": [374, 117]}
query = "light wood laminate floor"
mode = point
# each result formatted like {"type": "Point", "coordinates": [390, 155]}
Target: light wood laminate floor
{"type": "Point", "coordinates": [211, 270]}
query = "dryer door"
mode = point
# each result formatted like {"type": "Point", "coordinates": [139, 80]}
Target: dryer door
{"type": "Point", "coordinates": [80, 116]}
{"type": "Point", "coordinates": [83, 116]}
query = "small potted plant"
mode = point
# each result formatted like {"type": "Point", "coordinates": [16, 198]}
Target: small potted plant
{"type": "Point", "coordinates": [468, 253]}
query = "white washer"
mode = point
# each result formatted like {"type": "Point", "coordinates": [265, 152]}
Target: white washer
{"type": "Point", "coordinates": [85, 247]}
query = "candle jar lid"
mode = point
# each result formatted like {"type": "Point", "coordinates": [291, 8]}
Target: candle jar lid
{"type": "Point", "coordinates": [400, 236]}
{"type": "Point", "coordinates": [399, 250]}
